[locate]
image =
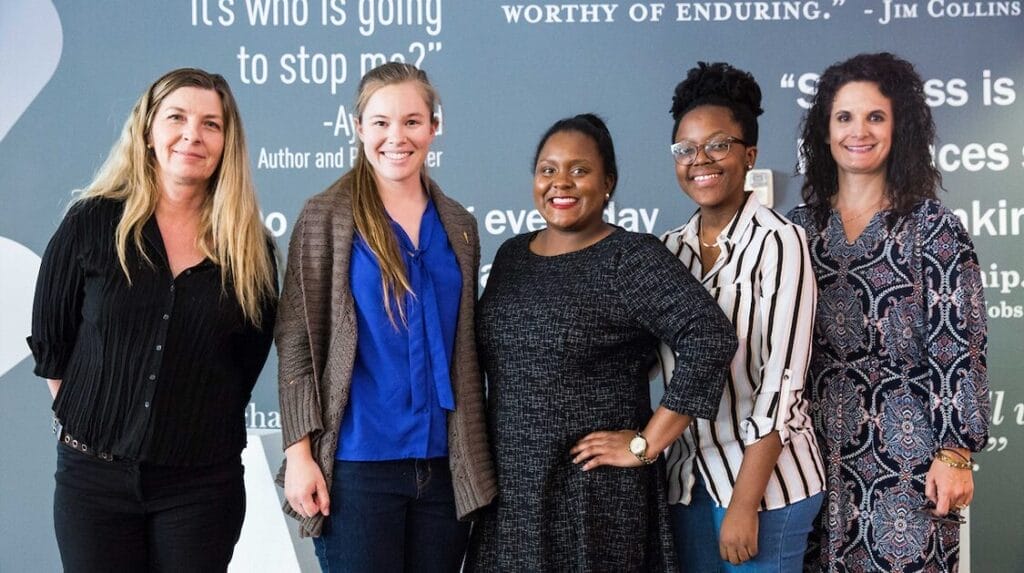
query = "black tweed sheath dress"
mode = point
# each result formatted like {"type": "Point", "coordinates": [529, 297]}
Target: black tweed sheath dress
{"type": "Point", "coordinates": [567, 343]}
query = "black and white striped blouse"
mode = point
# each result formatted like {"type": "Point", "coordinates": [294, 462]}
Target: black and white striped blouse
{"type": "Point", "coordinates": [764, 283]}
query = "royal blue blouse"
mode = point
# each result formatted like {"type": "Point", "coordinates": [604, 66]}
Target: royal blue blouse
{"type": "Point", "coordinates": [401, 386]}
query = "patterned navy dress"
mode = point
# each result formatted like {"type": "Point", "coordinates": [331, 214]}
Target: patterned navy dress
{"type": "Point", "coordinates": [898, 371]}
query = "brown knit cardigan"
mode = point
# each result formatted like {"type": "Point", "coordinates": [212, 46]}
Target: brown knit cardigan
{"type": "Point", "coordinates": [316, 345]}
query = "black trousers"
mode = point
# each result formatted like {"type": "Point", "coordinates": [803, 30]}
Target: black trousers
{"type": "Point", "coordinates": [124, 516]}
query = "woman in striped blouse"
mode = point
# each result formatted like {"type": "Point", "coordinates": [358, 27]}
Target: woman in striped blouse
{"type": "Point", "coordinates": [746, 486]}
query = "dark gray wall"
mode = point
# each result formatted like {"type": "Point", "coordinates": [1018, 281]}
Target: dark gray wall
{"type": "Point", "coordinates": [71, 70]}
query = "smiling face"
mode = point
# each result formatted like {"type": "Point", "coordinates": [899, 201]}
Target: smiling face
{"type": "Point", "coordinates": [187, 136]}
{"type": "Point", "coordinates": [397, 127]}
{"type": "Point", "coordinates": [860, 128]}
{"type": "Point", "coordinates": [714, 184]}
{"type": "Point", "coordinates": [569, 183]}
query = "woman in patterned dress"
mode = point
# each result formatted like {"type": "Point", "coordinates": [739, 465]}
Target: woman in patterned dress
{"type": "Point", "coordinates": [898, 374]}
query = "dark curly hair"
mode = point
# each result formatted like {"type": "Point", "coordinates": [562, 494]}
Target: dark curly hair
{"type": "Point", "coordinates": [910, 174]}
{"type": "Point", "coordinates": [593, 127]}
{"type": "Point", "coordinates": [722, 85]}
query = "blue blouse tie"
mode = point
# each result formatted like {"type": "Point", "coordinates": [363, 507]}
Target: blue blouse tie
{"type": "Point", "coordinates": [433, 354]}
{"type": "Point", "coordinates": [401, 388]}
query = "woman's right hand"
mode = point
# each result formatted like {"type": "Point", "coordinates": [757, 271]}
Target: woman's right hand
{"type": "Point", "coordinates": [304, 485]}
{"type": "Point", "coordinates": [737, 537]}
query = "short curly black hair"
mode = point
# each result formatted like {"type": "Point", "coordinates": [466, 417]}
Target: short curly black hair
{"type": "Point", "coordinates": [910, 174]}
{"type": "Point", "coordinates": [719, 84]}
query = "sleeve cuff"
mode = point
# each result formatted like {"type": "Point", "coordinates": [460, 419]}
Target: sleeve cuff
{"type": "Point", "coordinates": [50, 363]}
{"type": "Point", "coordinates": [300, 409]}
{"type": "Point", "coordinates": [696, 392]}
{"type": "Point", "coordinates": [772, 405]}
{"type": "Point", "coordinates": [754, 428]}
{"type": "Point", "coordinates": [975, 444]}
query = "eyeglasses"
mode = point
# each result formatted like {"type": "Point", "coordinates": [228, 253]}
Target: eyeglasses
{"type": "Point", "coordinates": [685, 152]}
{"type": "Point", "coordinates": [952, 517]}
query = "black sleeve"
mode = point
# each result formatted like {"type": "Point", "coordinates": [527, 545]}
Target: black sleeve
{"type": "Point", "coordinates": [256, 345]}
{"type": "Point", "coordinates": [57, 306]}
{"type": "Point", "coordinates": [666, 300]}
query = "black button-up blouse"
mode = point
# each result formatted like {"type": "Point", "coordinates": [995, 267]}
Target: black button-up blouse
{"type": "Point", "coordinates": [158, 371]}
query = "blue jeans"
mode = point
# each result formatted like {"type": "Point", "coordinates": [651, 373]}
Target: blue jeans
{"type": "Point", "coordinates": [392, 516]}
{"type": "Point", "coordinates": [781, 535]}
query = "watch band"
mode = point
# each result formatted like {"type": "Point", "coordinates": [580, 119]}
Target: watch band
{"type": "Point", "coordinates": [641, 456]}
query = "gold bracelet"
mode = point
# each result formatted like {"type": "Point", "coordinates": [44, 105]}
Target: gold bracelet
{"type": "Point", "coordinates": [942, 457]}
{"type": "Point", "coordinates": [963, 458]}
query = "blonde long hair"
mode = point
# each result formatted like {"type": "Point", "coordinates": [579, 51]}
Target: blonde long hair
{"type": "Point", "coordinates": [231, 233]}
{"type": "Point", "coordinates": [371, 218]}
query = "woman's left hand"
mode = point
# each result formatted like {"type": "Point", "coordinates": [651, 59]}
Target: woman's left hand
{"type": "Point", "coordinates": [949, 487]}
{"type": "Point", "coordinates": [605, 449]}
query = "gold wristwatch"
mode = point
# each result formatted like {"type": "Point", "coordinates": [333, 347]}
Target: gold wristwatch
{"type": "Point", "coordinates": [638, 447]}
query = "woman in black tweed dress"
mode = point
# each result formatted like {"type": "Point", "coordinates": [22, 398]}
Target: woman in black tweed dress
{"type": "Point", "coordinates": [567, 329]}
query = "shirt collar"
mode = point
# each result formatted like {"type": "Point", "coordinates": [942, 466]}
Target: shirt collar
{"type": "Point", "coordinates": [427, 222]}
{"type": "Point", "coordinates": [157, 251]}
{"type": "Point", "coordinates": [742, 219]}
{"type": "Point", "coordinates": [732, 231]}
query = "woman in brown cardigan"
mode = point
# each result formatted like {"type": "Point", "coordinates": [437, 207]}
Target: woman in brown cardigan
{"type": "Point", "coordinates": [385, 458]}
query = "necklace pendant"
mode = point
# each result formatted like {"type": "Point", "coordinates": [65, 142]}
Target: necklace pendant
{"type": "Point", "coordinates": [700, 236]}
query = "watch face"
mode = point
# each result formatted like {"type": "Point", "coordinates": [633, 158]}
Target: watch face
{"type": "Point", "coordinates": [638, 446]}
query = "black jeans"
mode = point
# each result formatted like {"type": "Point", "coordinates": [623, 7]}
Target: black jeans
{"type": "Point", "coordinates": [124, 516]}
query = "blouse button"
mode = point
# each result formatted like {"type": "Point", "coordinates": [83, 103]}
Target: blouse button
{"type": "Point", "coordinates": [152, 376]}
{"type": "Point", "coordinates": [159, 347]}
{"type": "Point", "coordinates": [147, 404]}
{"type": "Point", "coordinates": [166, 316]}
{"type": "Point", "coordinates": [172, 288]}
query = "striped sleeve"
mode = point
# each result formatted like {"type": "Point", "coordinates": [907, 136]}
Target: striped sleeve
{"type": "Point", "coordinates": [786, 303]}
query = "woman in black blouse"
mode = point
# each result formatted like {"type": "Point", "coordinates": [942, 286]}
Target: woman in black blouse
{"type": "Point", "coordinates": [153, 316]}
